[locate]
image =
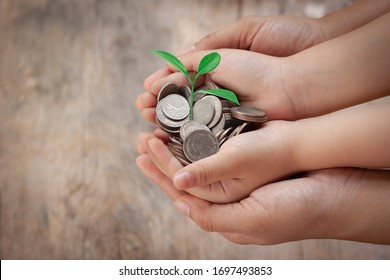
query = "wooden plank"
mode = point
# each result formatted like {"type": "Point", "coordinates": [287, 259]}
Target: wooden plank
{"type": "Point", "coordinates": [69, 74]}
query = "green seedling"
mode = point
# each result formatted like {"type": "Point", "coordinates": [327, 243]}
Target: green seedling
{"type": "Point", "coordinates": [208, 63]}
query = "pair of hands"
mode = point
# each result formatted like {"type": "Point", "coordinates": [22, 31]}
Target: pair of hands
{"type": "Point", "coordinates": [316, 205]}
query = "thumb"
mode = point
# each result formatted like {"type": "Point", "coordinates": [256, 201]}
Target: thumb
{"type": "Point", "coordinates": [206, 171]}
{"type": "Point", "coordinates": [228, 37]}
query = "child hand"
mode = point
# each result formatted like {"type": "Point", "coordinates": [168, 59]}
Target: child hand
{"type": "Point", "coordinates": [243, 163]}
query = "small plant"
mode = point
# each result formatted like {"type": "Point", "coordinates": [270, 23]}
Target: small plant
{"type": "Point", "coordinates": [208, 63]}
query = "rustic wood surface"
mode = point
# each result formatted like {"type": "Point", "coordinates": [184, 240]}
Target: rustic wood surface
{"type": "Point", "coordinates": [69, 75]}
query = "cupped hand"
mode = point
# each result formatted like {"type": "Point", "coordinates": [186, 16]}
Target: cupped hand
{"type": "Point", "coordinates": [242, 164]}
{"type": "Point", "coordinates": [344, 203]}
{"type": "Point", "coordinates": [273, 35]}
{"type": "Point", "coordinates": [270, 35]}
{"type": "Point", "coordinates": [258, 80]}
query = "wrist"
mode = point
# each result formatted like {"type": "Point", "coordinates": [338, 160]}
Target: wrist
{"type": "Point", "coordinates": [355, 206]}
{"type": "Point", "coordinates": [294, 84]}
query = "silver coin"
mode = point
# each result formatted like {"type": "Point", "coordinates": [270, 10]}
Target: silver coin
{"type": "Point", "coordinates": [176, 140]}
{"type": "Point", "coordinates": [175, 107]}
{"type": "Point", "coordinates": [237, 129]}
{"type": "Point", "coordinates": [176, 144]}
{"type": "Point", "coordinates": [167, 128]}
{"type": "Point", "coordinates": [228, 116]}
{"type": "Point", "coordinates": [200, 144]}
{"type": "Point", "coordinates": [183, 160]}
{"type": "Point", "coordinates": [175, 150]}
{"type": "Point", "coordinates": [217, 109]}
{"type": "Point", "coordinates": [201, 88]}
{"type": "Point", "coordinates": [199, 95]}
{"type": "Point", "coordinates": [223, 140]}
{"type": "Point", "coordinates": [219, 126]}
{"type": "Point", "coordinates": [179, 155]}
{"type": "Point", "coordinates": [225, 133]}
{"type": "Point", "coordinates": [166, 90]}
{"type": "Point", "coordinates": [185, 91]}
{"type": "Point", "coordinates": [212, 85]}
{"type": "Point", "coordinates": [203, 111]}
{"type": "Point", "coordinates": [191, 126]}
{"type": "Point", "coordinates": [227, 104]}
{"type": "Point", "coordinates": [243, 127]}
{"type": "Point", "coordinates": [248, 114]}
{"type": "Point", "coordinates": [219, 133]}
{"type": "Point", "coordinates": [166, 123]}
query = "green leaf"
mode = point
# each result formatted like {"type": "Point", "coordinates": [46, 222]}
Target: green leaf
{"type": "Point", "coordinates": [171, 59]}
{"type": "Point", "coordinates": [223, 93]}
{"type": "Point", "coordinates": [208, 63]}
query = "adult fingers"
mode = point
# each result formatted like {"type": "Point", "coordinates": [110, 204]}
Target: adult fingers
{"type": "Point", "coordinates": [216, 217]}
{"type": "Point", "coordinates": [228, 37]}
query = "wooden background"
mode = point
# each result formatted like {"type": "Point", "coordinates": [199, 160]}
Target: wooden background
{"type": "Point", "coordinates": [70, 71]}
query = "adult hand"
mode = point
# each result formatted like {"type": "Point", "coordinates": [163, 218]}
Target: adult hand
{"type": "Point", "coordinates": [348, 204]}
{"type": "Point", "coordinates": [272, 35]}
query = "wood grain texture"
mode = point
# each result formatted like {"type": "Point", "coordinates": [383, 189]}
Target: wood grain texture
{"type": "Point", "coordinates": [69, 75]}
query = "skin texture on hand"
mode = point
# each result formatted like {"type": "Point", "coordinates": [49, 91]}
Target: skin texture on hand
{"type": "Point", "coordinates": [267, 35]}
{"type": "Point", "coordinates": [339, 203]}
{"type": "Point", "coordinates": [287, 35]}
{"type": "Point", "coordinates": [264, 88]}
{"type": "Point", "coordinates": [343, 72]}
{"type": "Point", "coordinates": [299, 86]}
{"type": "Point", "coordinates": [271, 35]}
{"type": "Point", "coordinates": [243, 164]}
{"type": "Point", "coordinates": [321, 204]}
{"type": "Point", "coordinates": [353, 137]}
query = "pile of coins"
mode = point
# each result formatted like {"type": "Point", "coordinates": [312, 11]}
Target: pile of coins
{"type": "Point", "coordinates": [214, 121]}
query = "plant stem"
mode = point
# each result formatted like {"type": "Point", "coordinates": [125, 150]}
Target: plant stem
{"type": "Point", "coordinates": [192, 82]}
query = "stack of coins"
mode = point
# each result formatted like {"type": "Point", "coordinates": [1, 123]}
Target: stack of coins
{"type": "Point", "coordinates": [214, 121]}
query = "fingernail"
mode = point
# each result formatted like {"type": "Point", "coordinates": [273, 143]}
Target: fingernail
{"type": "Point", "coordinates": [182, 180]}
{"type": "Point", "coordinates": [182, 207]}
{"type": "Point", "coordinates": [185, 50]}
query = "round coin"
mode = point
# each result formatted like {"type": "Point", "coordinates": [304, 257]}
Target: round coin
{"type": "Point", "coordinates": [166, 123]}
{"type": "Point", "coordinates": [200, 144]}
{"type": "Point", "coordinates": [191, 126]}
{"type": "Point", "coordinates": [217, 109]}
{"type": "Point", "coordinates": [212, 85]}
{"type": "Point", "coordinates": [166, 90]}
{"type": "Point", "coordinates": [203, 111]}
{"type": "Point", "coordinates": [185, 91]}
{"type": "Point", "coordinates": [175, 107]}
{"type": "Point", "coordinates": [248, 114]}
{"type": "Point", "coordinates": [219, 126]}
{"type": "Point", "coordinates": [176, 140]}
{"type": "Point", "coordinates": [199, 95]}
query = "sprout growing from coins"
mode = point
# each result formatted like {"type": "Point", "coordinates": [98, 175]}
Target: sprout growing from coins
{"type": "Point", "coordinates": [208, 63]}
{"type": "Point", "coordinates": [201, 120]}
